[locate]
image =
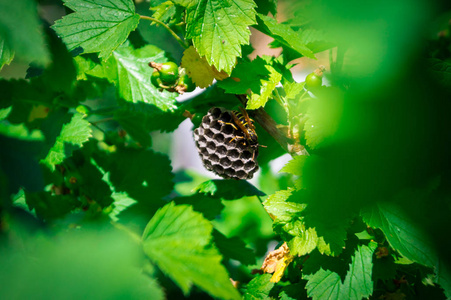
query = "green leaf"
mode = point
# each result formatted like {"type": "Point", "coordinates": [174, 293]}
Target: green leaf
{"type": "Point", "coordinates": [18, 19]}
{"type": "Point", "coordinates": [121, 202]}
{"type": "Point", "coordinates": [278, 206]}
{"type": "Point", "coordinates": [315, 40]}
{"type": "Point", "coordinates": [218, 29]}
{"type": "Point", "coordinates": [295, 291]}
{"type": "Point", "coordinates": [259, 287]}
{"type": "Point", "coordinates": [246, 75]}
{"type": "Point", "coordinates": [228, 190]}
{"type": "Point", "coordinates": [74, 133]}
{"type": "Point", "coordinates": [384, 268]}
{"type": "Point", "coordinates": [139, 119]}
{"type": "Point", "coordinates": [60, 74]}
{"type": "Point", "coordinates": [203, 204]}
{"type": "Point", "coordinates": [135, 126]}
{"type": "Point", "coordinates": [234, 248]}
{"type": "Point", "coordinates": [85, 66]}
{"type": "Point", "coordinates": [4, 112]}
{"type": "Point", "coordinates": [128, 69]}
{"type": "Point", "coordinates": [300, 240]}
{"type": "Point", "coordinates": [267, 6]}
{"type": "Point", "coordinates": [304, 240]}
{"type": "Point", "coordinates": [97, 26]}
{"type": "Point", "coordinates": [164, 12]}
{"type": "Point", "coordinates": [178, 240]}
{"type": "Point", "coordinates": [288, 222]}
{"type": "Point", "coordinates": [441, 72]}
{"type": "Point", "coordinates": [294, 166]}
{"type": "Point", "coordinates": [401, 232]}
{"type": "Point", "coordinates": [258, 76]}
{"type": "Point", "coordinates": [444, 279]}
{"type": "Point", "coordinates": [333, 236]}
{"type": "Point", "coordinates": [358, 280]}
{"type": "Point", "coordinates": [20, 132]}
{"type": "Point", "coordinates": [267, 86]}
{"type": "Point", "coordinates": [94, 187]}
{"type": "Point", "coordinates": [293, 89]}
{"type": "Point", "coordinates": [48, 207]}
{"type": "Point", "coordinates": [6, 53]}
{"type": "Point", "coordinates": [145, 175]}
{"type": "Point", "coordinates": [284, 34]}
{"type": "Point", "coordinates": [326, 284]}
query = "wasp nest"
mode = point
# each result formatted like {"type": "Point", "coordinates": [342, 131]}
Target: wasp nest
{"type": "Point", "coordinates": [223, 147]}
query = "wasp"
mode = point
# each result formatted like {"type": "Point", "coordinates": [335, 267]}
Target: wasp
{"type": "Point", "coordinates": [242, 121]}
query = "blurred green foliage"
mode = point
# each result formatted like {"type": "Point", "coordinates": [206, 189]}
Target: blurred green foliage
{"type": "Point", "coordinates": [90, 209]}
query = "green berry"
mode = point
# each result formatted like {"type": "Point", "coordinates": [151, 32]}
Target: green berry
{"type": "Point", "coordinates": [186, 84]}
{"type": "Point", "coordinates": [73, 179]}
{"type": "Point", "coordinates": [313, 81]}
{"type": "Point", "coordinates": [169, 73]}
{"type": "Point", "coordinates": [83, 109]}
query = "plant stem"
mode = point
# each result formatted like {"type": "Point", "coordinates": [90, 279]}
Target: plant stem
{"type": "Point", "coordinates": [179, 40]}
{"type": "Point", "coordinates": [268, 123]}
{"type": "Point", "coordinates": [105, 111]}
{"type": "Point", "coordinates": [96, 126]}
{"type": "Point", "coordinates": [132, 234]}
{"type": "Point", "coordinates": [282, 101]}
{"type": "Point", "coordinates": [102, 121]}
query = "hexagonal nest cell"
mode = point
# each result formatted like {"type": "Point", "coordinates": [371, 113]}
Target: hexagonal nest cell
{"type": "Point", "coordinates": [223, 147]}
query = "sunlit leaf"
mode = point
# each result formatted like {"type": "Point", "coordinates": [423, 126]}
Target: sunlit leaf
{"type": "Point", "coordinates": [284, 34]}
{"type": "Point", "coordinates": [402, 233]}
{"type": "Point", "coordinates": [247, 75]}
{"type": "Point", "coordinates": [259, 287]}
{"type": "Point", "coordinates": [121, 202]}
{"type": "Point", "coordinates": [358, 284]}
{"type": "Point", "coordinates": [219, 28]}
{"type": "Point", "coordinates": [6, 54]}
{"type": "Point", "coordinates": [200, 71]}
{"type": "Point", "coordinates": [278, 206]}
{"type": "Point", "coordinates": [129, 70]}
{"type": "Point", "coordinates": [267, 86]}
{"type": "Point", "coordinates": [178, 240]}
{"type": "Point", "coordinates": [20, 132]}
{"type": "Point", "coordinates": [228, 190]}
{"type": "Point", "coordinates": [99, 26]}
{"type": "Point", "coordinates": [294, 166]}
{"type": "Point", "coordinates": [72, 136]}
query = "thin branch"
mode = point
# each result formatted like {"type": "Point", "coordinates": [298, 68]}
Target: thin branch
{"type": "Point", "coordinates": [102, 121]}
{"type": "Point", "coordinates": [179, 40]}
{"type": "Point", "coordinates": [96, 126]}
